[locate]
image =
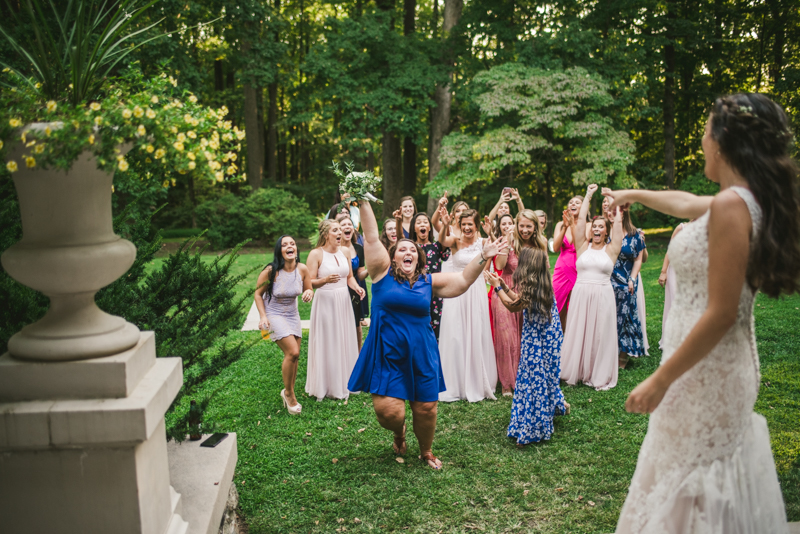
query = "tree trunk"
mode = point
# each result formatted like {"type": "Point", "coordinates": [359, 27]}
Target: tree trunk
{"type": "Point", "coordinates": [440, 123]}
{"type": "Point", "coordinates": [272, 133]}
{"type": "Point", "coordinates": [778, 43]}
{"type": "Point", "coordinates": [253, 126]}
{"type": "Point", "coordinates": [392, 173]}
{"type": "Point", "coordinates": [219, 80]}
{"type": "Point", "coordinates": [669, 99]}
{"type": "Point", "coordinates": [409, 166]}
{"type": "Point", "coordinates": [192, 200]}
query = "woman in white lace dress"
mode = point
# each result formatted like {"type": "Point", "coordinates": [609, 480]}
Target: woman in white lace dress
{"type": "Point", "coordinates": [706, 465]}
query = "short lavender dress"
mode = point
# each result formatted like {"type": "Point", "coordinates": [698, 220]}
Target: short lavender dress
{"type": "Point", "coordinates": [282, 313]}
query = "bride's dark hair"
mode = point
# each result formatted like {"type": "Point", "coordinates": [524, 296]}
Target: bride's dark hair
{"type": "Point", "coordinates": [532, 282]}
{"type": "Point", "coordinates": [754, 138]}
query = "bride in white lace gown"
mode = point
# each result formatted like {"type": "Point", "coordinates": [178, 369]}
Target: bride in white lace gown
{"type": "Point", "coordinates": [706, 465]}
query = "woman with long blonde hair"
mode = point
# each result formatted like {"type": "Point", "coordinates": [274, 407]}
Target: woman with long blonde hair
{"type": "Point", "coordinates": [332, 343]}
{"type": "Point", "coordinates": [537, 395]}
{"type": "Point", "coordinates": [522, 232]}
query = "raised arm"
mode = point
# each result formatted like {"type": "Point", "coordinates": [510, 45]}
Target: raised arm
{"type": "Point", "coordinates": [676, 203]}
{"type": "Point", "coordinates": [448, 285]}
{"type": "Point", "coordinates": [729, 227]}
{"type": "Point", "coordinates": [435, 218]}
{"type": "Point", "coordinates": [445, 238]}
{"type": "Point", "coordinates": [617, 233]}
{"type": "Point", "coordinates": [579, 235]}
{"type": "Point", "coordinates": [561, 230]}
{"type": "Point", "coordinates": [515, 196]}
{"type": "Point", "coordinates": [504, 197]}
{"type": "Point", "coordinates": [375, 254]}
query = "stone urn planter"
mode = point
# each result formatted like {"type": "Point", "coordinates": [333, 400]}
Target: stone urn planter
{"type": "Point", "coordinates": [68, 251]}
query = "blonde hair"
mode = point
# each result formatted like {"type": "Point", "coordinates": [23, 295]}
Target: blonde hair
{"type": "Point", "coordinates": [455, 207]}
{"type": "Point", "coordinates": [537, 239]}
{"type": "Point", "coordinates": [322, 231]}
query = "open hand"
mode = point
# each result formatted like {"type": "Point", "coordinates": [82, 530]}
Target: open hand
{"type": "Point", "coordinates": [567, 219]}
{"type": "Point", "coordinates": [487, 225]}
{"type": "Point", "coordinates": [514, 194]}
{"type": "Point", "coordinates": [308, 294]}
{"type": "Point", "coordinates": [646, 396]}
{"type": "Point", "coordinates": [492, 248]}
{"type": "Point", "coordinates": [491, 278]}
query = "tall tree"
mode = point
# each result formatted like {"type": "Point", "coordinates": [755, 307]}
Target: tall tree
{"type": "Point", "coordinates": [669, 96]}
{"type": "Point", "coordinates": [440, 119]}
{"type": "Point", "coordinates": [409, 146]}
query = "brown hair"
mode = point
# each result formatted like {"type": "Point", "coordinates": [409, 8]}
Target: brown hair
{"type": "Point", "coordinates": [420, 268]}
{"type": "Point", "coordinates": [754, 137]}
{"type": "Point", "coordinates": [413, 202]}
{"type": "Point", "coordinates": [467, 214]}
{"type": "Point", "coordinates": [384, 236]}
{"type": "Point", "coordinates": [354, 236]}
{"type": "Point", "coordinates": [496, 224]}
{"type": "Point", "coordinates": [533, 284]}
{"type": "Point", "coordinates": [608, 224]}
{"type": "Point", "coordinates": [627, 224]}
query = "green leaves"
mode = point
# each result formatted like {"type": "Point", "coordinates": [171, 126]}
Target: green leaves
{"type": "Point", "coordinates": [530, 116]}
{"type": "Point", "coordinates": [74, 50]}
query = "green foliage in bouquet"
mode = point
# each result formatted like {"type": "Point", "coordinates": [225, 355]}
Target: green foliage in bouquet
{"type": "Point", "coordinates": [356, 185]}
{"type": "Point", "coordinates": [264, 214]}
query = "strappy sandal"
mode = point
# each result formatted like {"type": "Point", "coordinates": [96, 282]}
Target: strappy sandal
{"type": "Point", "coordinates": [427, 458]}
{"type": "Point", "coordinates": [399, 444]}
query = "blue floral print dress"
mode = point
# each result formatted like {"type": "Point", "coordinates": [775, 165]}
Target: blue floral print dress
{"type": "Point", "coordinates": [537, 396]}
{"type": "Point", "coordinates": [629, 328]}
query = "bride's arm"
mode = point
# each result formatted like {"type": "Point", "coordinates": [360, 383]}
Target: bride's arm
{"type": "Point", "coordinates": [676, 203]}
{"type": "Point", "coordinates": [729, 227]}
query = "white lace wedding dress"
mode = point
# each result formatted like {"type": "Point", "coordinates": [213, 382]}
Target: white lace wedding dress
{"type": "Point", "coordinates": [706, 465]}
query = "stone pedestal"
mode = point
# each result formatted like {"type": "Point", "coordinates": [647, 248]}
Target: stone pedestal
{"type": "Point", "coordinates": [83, 446]}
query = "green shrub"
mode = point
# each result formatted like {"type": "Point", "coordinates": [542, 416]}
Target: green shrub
{"type": "Point", "coordinates": [264, 215]}
{"type": "Point", "coordinates": [189, 303]}
{"type": "Point", "coordinates": [181, 232]}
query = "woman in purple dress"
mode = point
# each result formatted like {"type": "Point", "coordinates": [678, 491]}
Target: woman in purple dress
{"type": "Point", "coordinates": [277, 289]}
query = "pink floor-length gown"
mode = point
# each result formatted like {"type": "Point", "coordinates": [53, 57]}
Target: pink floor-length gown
{"type": "Point", "coordinates": [589, 353]}
{"type": "Point", "coordinates": [507, 328]}
{"type": "Point", "coordinates": [564, 274]}
{"type": "Point", "coordinates": [332, 343]}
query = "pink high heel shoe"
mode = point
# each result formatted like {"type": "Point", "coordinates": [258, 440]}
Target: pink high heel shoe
{"type": "Point", "coordinates": [293, 410]}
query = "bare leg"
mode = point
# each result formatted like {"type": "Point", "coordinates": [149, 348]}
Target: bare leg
{"type": "Point", "coordinates": [391, 413]}
{"type": "Point", "coordinates": [359, 335]}
{"type": "Point", "coordinates": [291, 354]}
{"type": "Point", "coordinates": [424, 418]}
{"type": "Point", "coordinates": [563, 316]}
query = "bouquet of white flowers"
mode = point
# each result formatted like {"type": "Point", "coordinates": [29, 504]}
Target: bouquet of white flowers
{"type": "Point", "coordinates": [356, 185]}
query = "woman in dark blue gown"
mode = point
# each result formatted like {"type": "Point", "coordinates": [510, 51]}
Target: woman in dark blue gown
{"type": "Point", "coordinates": [400, 357]}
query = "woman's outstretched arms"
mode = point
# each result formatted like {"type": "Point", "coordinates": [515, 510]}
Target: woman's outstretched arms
{"type": "Point", "coordinates": [676, 203]}
{"type": "Point", "coordinates": [448, 285]}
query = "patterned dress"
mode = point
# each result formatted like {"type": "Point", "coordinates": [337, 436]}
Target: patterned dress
{"type": "Point", "coordinates": [435, 254]}
{"type": "Point", "coordinates": [537, 397]}
{"type": "Point", "coordinates": [629, 328]}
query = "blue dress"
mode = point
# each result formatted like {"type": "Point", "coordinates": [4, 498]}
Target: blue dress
{"type": "Point", "coordinates": [400, 357]}
{"type": "Point", "coordinates": [629, 328]}
{"type": "Point", "coordinates": [537, 396]}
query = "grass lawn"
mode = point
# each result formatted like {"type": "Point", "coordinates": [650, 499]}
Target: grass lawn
{"type": "Point", "coordinates": [332, 468]}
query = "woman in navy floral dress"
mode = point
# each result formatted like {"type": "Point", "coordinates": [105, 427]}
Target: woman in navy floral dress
{"type": "Point", "coordinates": [624, 280]}
{"type": "Point", "coordinates": [537, 395]}
{"type": "Point", "coordinates": [435, 254]}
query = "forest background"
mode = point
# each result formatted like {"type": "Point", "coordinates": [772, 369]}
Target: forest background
{"type": "Point", "coordinates": [467, 97]}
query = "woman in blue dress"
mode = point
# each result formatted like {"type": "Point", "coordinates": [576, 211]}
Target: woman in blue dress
{"type": "Point", "coordinates": [537, 395]}
{"type": "Point", "coordinates": [624, 280]}
{"type": "Point", "coordinates": [400, 358]}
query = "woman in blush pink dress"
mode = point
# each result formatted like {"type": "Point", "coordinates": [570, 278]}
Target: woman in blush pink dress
{"type": "Point", "coordinates": [332, 343]}
{"type": "Point", "coordinates": [565, 274]}
{"type": "Point", "coordinates": [589, 353]}
{"type": "Point", "coordinates": [667, 281]}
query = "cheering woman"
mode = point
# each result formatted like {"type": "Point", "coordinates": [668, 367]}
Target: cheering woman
{"type": "Point", "coordinates": [400, 357]}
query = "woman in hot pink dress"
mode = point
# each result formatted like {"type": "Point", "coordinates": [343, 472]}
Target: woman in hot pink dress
{"type": "Point", "coordinates": [565, 273]}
